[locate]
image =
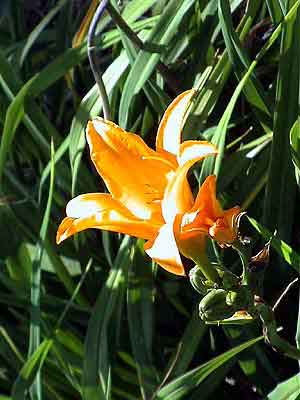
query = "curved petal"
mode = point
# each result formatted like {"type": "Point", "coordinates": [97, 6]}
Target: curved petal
{"type": "Point", "coordinates": [207, 200]}
{"type": "Point", "coordinates": [193, 149]}
{"type": "Point", "coordinates": [225, 229]}
{"type": "Point", "coordinates": [191, 244]}
{"type": "Point", "coordinates": [101, 211]}
{"type": "Point", "coordinates": [206, 209]}
{"type": "Point", "coordinates": [169, 131]}
{"type": "Point", "coordinates": [163, 250]}
{"type": "Point", "coordinates": [178, 198]}
{"type": "Point", "coordinates": [126, 165]}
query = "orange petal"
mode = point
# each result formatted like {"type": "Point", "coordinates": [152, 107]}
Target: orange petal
{"type": "Point", "coordinates": [169, 131]}
{"type": "Point", "coordinates": [225, 229]}
{"type": "Point", "coordinates": [207, 216]}
{"type": "Point", "coordinates": [195, 149]}
{"type": "Point", "coordinates": [127, 165]}
{"type": "Point", "coordinates": [206, 209]}
{"type": "Point", "coordinates": [101, 211]}
{"type": "Point", "coordinates": [191, 244]}
{"type": "Point", "coordinates": [164, 251]}
{"type": "Point", "coordinates": [178, 198]}
{"type": "Point", "coordinates": [207, 200]}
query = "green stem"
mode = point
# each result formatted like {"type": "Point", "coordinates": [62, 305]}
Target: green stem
{"type": "Point", "coordinates": [207, 269]}
{"type": "Point", "coordinates": [270, 332]}
{"type": "Point", "coordinates": [94, 60]}
{"type": "Point", "coordinates": [244, 256]}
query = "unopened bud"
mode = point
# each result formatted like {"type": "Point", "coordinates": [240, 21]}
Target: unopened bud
{"type": "Point", "coordinates": [197, 280]}
{"type": "Point", "coordinates": [213, 306]}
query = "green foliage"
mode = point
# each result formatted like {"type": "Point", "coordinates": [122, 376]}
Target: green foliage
{"type": "Point", "coordinates": [94, 318]}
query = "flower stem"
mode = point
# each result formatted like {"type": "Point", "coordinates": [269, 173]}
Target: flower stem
{"type": "Point", "coordinates": [244, 256]}
{"type": "Point", "coordinates": [207, 269]}
{"type": "Point", "coordinates": [94, 60]}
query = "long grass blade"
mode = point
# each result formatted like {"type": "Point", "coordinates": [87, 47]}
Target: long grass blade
{"type": "Point", "coordinates": [34, 341]}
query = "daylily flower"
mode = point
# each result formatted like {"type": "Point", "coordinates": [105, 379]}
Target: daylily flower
{"type": "Point", "coordinates": [188, 223]}
{"type": "Point", "coordinates": [150, 196]}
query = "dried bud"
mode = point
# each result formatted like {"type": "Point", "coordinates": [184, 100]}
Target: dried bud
{"type": "Point", "coordinates": [261, 259]}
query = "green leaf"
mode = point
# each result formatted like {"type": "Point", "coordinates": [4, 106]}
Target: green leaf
{"type": "Point", "coordinates": [212, 165]}
{"type": "Point", "coordinates": [280, 190]}
{"type": "Point", "coordinates": [188, 345]}
{"type": "Point", "coordinates": [145, 63]}
{"type": "Point", "coordinates": [295, 148]}
{"type": "Point", "coordinates": [140, 319]}
{"type": "Point", "coordinates": [39, 28]}
{"type": "Point", "coordinates": [181, 386]}
{"type": "Point", "coordinates": [34, 338]}
{"type": "Point", "coordinates": [97, 353]}
{"type": "Point", "coordinates": [287, 390]}
{"type": "Point", "coordinates": [281, 247]}
{"type": "Point", "coordinates": [13, 118]}
{"type": "Point", "coordinates": [275, 10]}
{"type": "Point", "coordinates": [30, 369]}
{"type": "Point", "coordinates": [252, 89]}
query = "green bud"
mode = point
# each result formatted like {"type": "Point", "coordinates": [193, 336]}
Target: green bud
{"type": "Point", "coordinates": [230, 280]}
{"type": "Point", "coordinates": [239, 298]}
{"type": "Point", "coordinates": [213, 306]}
{"type": "Point", "coordinates": [197, 280]}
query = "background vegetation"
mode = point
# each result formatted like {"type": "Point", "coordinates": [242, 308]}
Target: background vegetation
{"type": "Point", "coordinates": [93, 318]}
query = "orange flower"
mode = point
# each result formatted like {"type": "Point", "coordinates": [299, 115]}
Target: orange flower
{"type": "Point", "coordinates": [188, 223]}
{"type": "Point", "coordinates": [141, 182]}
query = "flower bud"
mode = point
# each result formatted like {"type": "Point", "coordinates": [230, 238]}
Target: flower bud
{"type": "Point", "coordinates": [230, 280]}
{"type": "Point", "coordinates": [240, 298]}
{"type": "Point", "coordinates": [197, 280]}
{"type": "Point", "coordinates": [213, 306]}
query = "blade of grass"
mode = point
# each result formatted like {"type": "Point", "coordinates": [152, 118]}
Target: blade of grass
{"type": "Point", "coordinates": [34, 364]}
{"type": "Point", "coordinates": [212, 382]}
{"type": "Point", "coordinates": [189, 343]}
{"type": "Point", "coordinates": [39, 28]}
{"type": "Point", "coordinates": [209, 95]}
{"type": "Point", "coordinates": [97, 363]}
{"type": "Point", "coordinates": [34, 339]}
{"type": "Point", "coordinates": [145, 63]}
{"type": "Point", "coordinates": [157, 98]}
{"type": "Point", "coordinates": [289, 389]}
{"type": "Point", "coordinates": [140, 319]}
{"type": "Point", "coordinates": [281, 247]}
{"type": "Point", "coordinates": [281, 185]}
{"type": "Point", "coordinates": [30, 370]}
{"type": "Point", "coordinates": [295, 148]}
{"type": "Point", "coordinates": [275, 10]}
{"type": "Point", "coordinates": [211, 165]}
{"type": "Point", "coordinates": [181, 386]}
{"type": "Point", "coordinates": [253, 89]}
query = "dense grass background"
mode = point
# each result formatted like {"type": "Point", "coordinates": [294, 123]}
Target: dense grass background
{"type": "Point", "coordinates": [93, 318]}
